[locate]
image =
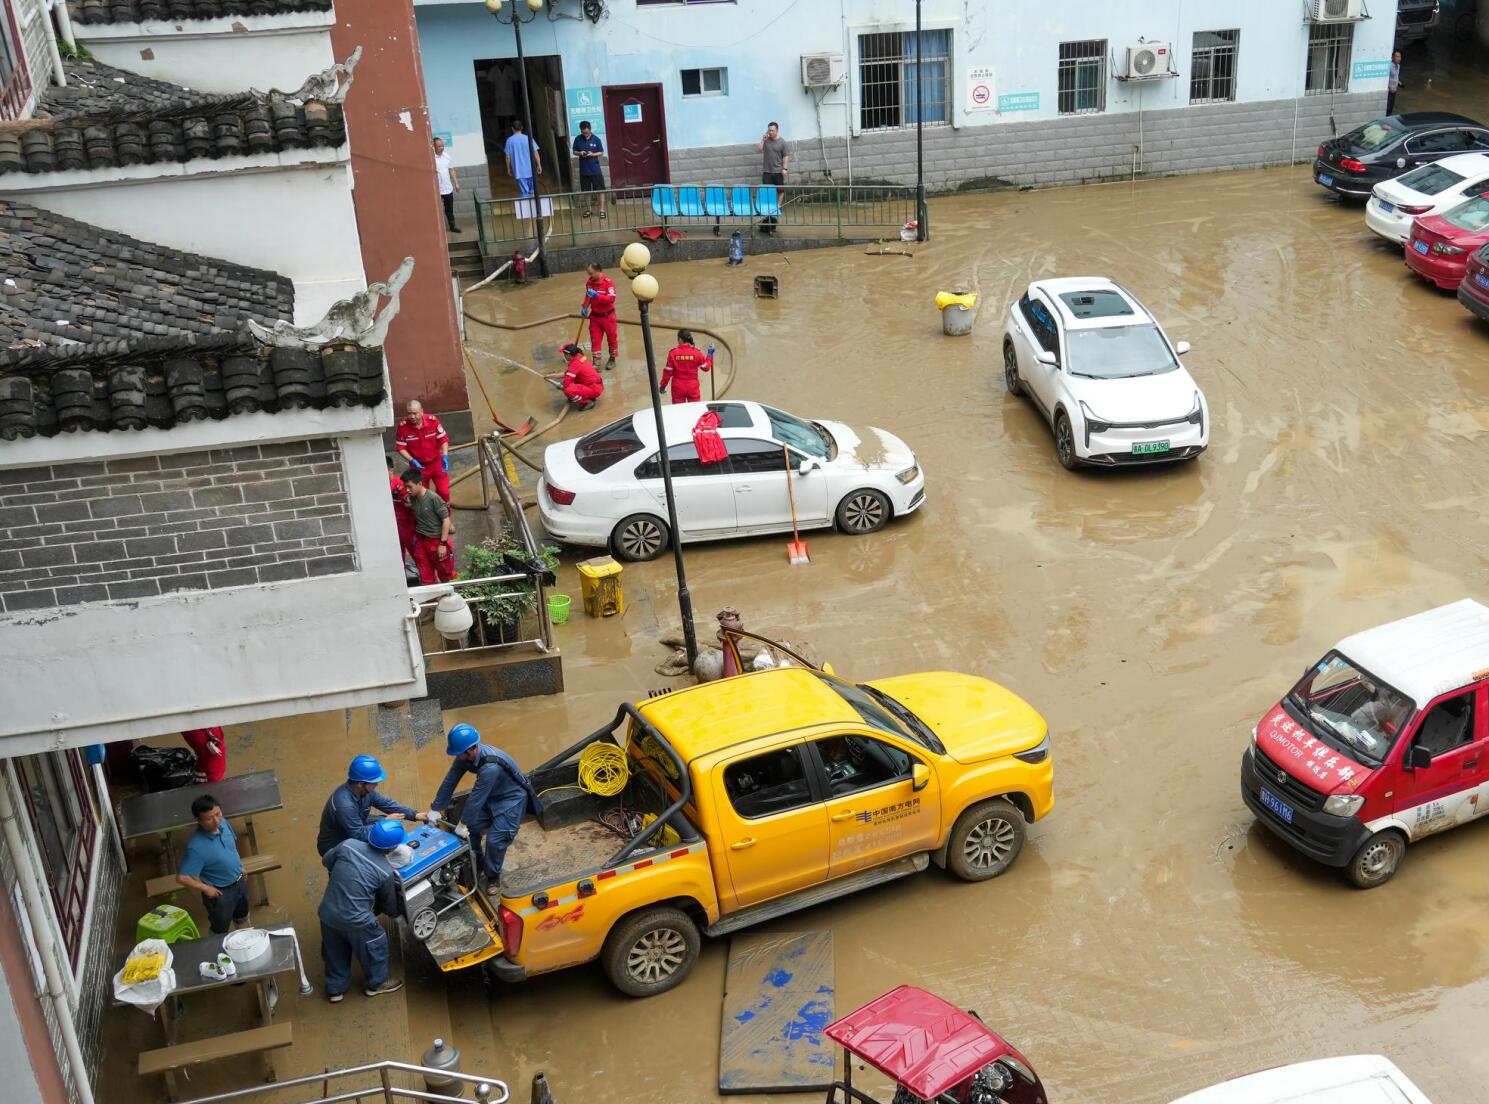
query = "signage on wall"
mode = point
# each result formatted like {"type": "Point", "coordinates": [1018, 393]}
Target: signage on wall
{"type": "Point", "coordinates": [630, 113]}
{"type": "Point", "coordinates": [446, 137]}
{"type": "Point", "coordinates": [1370, 70]}
{"type": "Point", "coordinates": [1018, 101]}
{"type": "Point", "coordinates": [980, 93]}
{"type": "Point", "coordinates": [585, 106]}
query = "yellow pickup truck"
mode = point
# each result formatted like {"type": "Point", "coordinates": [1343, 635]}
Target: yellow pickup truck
{"type": "Point", "coordinates": [757, 795]}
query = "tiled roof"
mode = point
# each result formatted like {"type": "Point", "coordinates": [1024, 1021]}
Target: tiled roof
{"type": "Point", "coordinates": [107, 117]}
{"type": "Point", "coordinates": [143, 11]}
{"type": "Point", "coordinates": [100, 331]}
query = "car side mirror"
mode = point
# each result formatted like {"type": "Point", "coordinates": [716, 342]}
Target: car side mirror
{"type": "Point", "coordinates": [1401, 162]}
{"type": "Point", "coordinates": [827, 669]}
{"type": "Point", "coordinates": [1182, 347]}
{"type": "Point", "coordinates": [807, 466]}
{"type": "Point", "coordinates": [920, 777]}
{"type": "Point", "coordinates": [1418, 758]}
{"type": "Point", "coordinates": [1044, 356]}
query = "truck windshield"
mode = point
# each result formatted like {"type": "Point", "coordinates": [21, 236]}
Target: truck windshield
{"type": "Point", "coordinates": [1350, 710]}
{"type": "Point", "coordinates": [880, 711]}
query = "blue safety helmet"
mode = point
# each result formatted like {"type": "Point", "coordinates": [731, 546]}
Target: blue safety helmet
{"type": "Point", "coordinates": [462, 738]}
{"type": "Point", "coordinates": [386, 834]}
{"type": "Point", "coordinates": [365, 768]}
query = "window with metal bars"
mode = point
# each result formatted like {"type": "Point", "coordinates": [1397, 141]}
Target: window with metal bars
{"type": "Point", "coordinates": [888, 65]}
{"type": "Point", "coordinates": [59, 800]}
{"type": "Point", "coordinates": [1212, 67]}
{"type": "Point", "coordinates": [15, 79]}
{"type": "Point", "coordinates": [1083, 77]}
{"type": "Point", "coordinates": [1329, 48]}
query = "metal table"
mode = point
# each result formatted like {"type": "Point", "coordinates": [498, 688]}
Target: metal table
{"type": "Point", "coordinates": [160, 814]}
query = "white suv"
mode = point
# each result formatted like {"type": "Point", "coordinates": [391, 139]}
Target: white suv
{"type": "Point", "coordinates": [1101, 370]}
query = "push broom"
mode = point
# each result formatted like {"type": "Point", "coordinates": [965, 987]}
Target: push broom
{"type": "Point", "coordinates": [797, 549]}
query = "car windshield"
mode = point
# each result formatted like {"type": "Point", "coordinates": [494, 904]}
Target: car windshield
{"type": "Point", "coordinates": [880, 711]}
{"type": "Point", "coordinates": [807, 437]}
{"type": "Point", "coordinates": [1350, 710]}
{"type": "Point", "coordinates": [1431, 180]}
{"type": "Point", "coordinates": [1119, 352]}
{"type": "Point", "coordinates": [608, 446]}
{"type": "Point", "coordinates": [1373, 136]}
{"type": "Point", "coordinates": [1472, 216]}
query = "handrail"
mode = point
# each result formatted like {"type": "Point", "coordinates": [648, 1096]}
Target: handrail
{"type": "Point", "coordinates": [495, 1091]}
{"type": "Point", "coordinates": [517, 516]}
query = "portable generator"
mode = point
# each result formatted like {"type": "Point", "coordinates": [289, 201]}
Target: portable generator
{"type": "Point", "coordinates": [439, 901]}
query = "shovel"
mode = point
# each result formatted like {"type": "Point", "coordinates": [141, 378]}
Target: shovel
{"type": "Point", "coordinates": [797, 549]}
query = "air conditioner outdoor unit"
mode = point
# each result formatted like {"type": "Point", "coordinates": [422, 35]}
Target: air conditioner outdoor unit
{"type": "Point", "coordinates": [1147, 60]}
{"type": "Point", "coordinates": [822, 70]}
{"type": "Point", "coordinates": [1336, 11]}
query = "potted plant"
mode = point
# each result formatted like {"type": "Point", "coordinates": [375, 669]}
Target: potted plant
{"type": "Point", "coordinates": [507, 610]}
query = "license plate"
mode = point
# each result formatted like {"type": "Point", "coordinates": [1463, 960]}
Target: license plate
{"type": "Point", "coordinates": [1147, 448]}
{"type": "Point", "coordinates": [1480, 279]}
{"type": "Point", "coordinates": [1326, 181]}
{"type": "Point", "coordinates": [1420, 247]}
{"type": "Point", "coordinates": [1387, 208]}
{"type": "Point", "coordinates": [1277, 805]}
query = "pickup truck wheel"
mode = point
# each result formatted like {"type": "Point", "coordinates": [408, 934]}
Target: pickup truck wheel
{"type": "Point", "coordinates": [985, 841]}
{"type": "Point", "coordinates": [1376, 861]}
{"type": "Point", "coordinates": [651, 952]}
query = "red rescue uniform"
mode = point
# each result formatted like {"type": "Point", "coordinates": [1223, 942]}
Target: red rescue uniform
{"type": "Point", "coordinates": [211, 753]}
{"type": "Point", "coordinates": [683, 365]}
{"type": "Point", "coordinates": [601, 313]}
{"type": "Point", "coordinates": [435, 560]}
{"type": "Point", "coordinates": [403, 514]}
{"type": "Point", "coordinates": [581, 382]}
{"type": "Point", "coordinates": [426, 443]}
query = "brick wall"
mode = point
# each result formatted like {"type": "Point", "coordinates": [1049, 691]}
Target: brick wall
{"type": "Point", "coordinates": [74, 533]}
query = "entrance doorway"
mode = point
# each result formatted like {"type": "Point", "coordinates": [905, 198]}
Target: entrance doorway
{"type": "Point", "coordinates": [636, 126]}
{"type": "Point", "coordinates": [499, 95]}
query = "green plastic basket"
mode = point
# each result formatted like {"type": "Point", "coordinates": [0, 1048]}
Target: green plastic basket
{"type": "Point", "coordinates": [558, 608]}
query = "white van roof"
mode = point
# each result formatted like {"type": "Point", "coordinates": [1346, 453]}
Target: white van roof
{"type": "Point", "coordinates": [1426, 654]}
{"type": "Point", "coordinates": [1357, 1079]}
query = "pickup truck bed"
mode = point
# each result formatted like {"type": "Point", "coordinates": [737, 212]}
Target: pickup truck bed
{"type": "Point", "coordinates": [541, 856]}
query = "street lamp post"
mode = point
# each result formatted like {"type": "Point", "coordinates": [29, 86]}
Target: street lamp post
{"type": "Point", "coordinates": [919, 129]}
{"type": "Point", "coordinates": [633, 263]}
{"type": "Point", "coordinates": [515, 19]}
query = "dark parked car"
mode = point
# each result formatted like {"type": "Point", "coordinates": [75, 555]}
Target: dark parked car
{"type": "Point", "coordinates": [1415, 19]}
{"type": "Point", "coordinates": [1473, 293]}
{"type": "Point", "coordinates": [1387, 147]}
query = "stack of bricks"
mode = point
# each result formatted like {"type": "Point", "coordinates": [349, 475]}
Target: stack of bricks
{"type": "Point", "coordinates": [150, 525]}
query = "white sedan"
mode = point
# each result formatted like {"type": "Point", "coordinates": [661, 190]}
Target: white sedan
{"type": "Point", "coordinates": [606, 489]}
{"type": "Point", "coordinates": [1357, 1079]}
{"type": "Point", "coordinates": [1104, 375]}
{"type": "Point", "coordinates": [1395, 204]}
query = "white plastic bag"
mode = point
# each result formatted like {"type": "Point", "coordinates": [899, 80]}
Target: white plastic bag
{"type": "Point", "coordinates": [148, 995]}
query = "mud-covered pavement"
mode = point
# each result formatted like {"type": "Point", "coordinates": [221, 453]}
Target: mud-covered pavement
{"type": "Point", "coordinates": [1150, 940]}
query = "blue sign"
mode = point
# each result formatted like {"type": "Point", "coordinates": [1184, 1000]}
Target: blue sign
{"type": "Point", "coordinates": [1018, 101]}
{"type": "Point", "coordinates": [631, 112]}
{"type": "Point", "coordinates": [586, 106]}
{"type": "Point", "coordinates": [446, 137]}
{"type": "Point", "coordinates": [1370, 70]}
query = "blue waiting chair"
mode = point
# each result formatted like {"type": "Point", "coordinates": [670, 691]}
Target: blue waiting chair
{"type": "Point", "coordinates": [768, 207]}
{"type": "Point", "coordinates": [663, 204]}
{"type": "Point", "coordinates": [716, 205]}
{"type": "Point", "coordinates": [739, 199]}
{"type": "Point", "coordinates": [690, 202]}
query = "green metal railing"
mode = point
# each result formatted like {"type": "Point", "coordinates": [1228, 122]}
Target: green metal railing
{"type": "Point", "coordinates": [818, 211]}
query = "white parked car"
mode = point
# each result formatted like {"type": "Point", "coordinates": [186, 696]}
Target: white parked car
{"type": "Point", "coordinates": [1358, 1079]}
{"type": "Point", "coordinates": [1430, 190]}
{"type": "Point", "coordinates": [606, 489]}
{"type": "Point", "coordinates": [1104, 374]}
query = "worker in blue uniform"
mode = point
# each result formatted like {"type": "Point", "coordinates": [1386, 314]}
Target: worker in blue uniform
{"type": "Point", "coordinates": [501, 797]}
{"type": "Point", "coordinates": [363, 883]}
{"type": "Point", "coordinates": [347, 812]}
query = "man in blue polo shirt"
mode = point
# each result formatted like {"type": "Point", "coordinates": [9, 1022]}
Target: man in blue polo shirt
{"type": "Point", "coordinates": [211, 866]}
{"type": "Point", "coordinates": [589, 149]}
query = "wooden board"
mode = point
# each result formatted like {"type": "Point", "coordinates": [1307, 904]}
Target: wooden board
{"type": "Point", "coordinates": [252, 864]}
{"type": "Point", "coordinates": [779, 995]}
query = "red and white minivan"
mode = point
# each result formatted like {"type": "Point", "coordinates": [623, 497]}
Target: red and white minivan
{"type": "Point", "coordinates": [1381, 742]}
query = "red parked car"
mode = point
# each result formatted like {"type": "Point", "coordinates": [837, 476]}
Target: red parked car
{"type": "Point", "coordinates": [1473, 293]}
{"type": "Point", "coordinates": [1440, 245]}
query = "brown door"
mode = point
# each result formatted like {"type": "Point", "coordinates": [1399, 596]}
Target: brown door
{"type": "Point", "coordinates": [636, 132]}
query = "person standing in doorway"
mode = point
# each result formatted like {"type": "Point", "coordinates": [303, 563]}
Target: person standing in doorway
{"type": "Point", "coordinates": [590, 149]}
{"type": "Point", "coordinates": [775, 163]}
{"type": "Point", "coordinates": [434, 555]}
{"type": "Point", "coordinates": [211, 866]}
{"type": "Point", "coordinates": [449, 183]}
{"type": "Point", "coordinates": [423, 442]}
{"type": "Point", "coordinates": [523, 162]}
{"type": "Point", "coordinates": [1393, 83]}
{"type": "Point", "coordinates": [599, 308]}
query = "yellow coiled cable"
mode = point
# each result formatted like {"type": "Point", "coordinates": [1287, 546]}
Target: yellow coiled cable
{"type": "Point", "coordinates": [603, 771]}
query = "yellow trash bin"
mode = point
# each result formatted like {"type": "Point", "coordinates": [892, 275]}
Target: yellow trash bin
{"type": "Point", "coordinates": [599, 579]}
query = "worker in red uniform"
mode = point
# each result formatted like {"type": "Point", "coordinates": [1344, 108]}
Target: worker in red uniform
{"type": "Point", "coordinates": [684, 363]}
{"type": "Point", "coordinates": [582, 384]}
{"type": "Point", "coordinates": [599, 308]}
{"type": "Point", "coordinates": [211, 753]}
{"type": "Point", "coordinates": [403, 514]}
{"type": "Point", "coordinates": [434, 554]}
{"type": "Point", "coordinates": [423, 442]}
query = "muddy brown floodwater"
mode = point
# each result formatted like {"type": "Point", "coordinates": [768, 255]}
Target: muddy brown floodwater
{"type": "Point", "coordinates": [1150, 940]}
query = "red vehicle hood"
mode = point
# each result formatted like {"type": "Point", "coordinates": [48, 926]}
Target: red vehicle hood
{"type": "Point", "coordinates": [1307, 758]}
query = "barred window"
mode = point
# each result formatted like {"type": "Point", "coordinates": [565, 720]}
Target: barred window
{"type": "Point", "coordinates": [59, 801]}
{"type": "Point", "coordinates": [887, 70]}
{"type": "Point", "coordinates": [1212, 67]}
{"type": "Point", "coordinates": [1329, 48]}
{"type": "Point", "coordinates": [1083, 77]}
